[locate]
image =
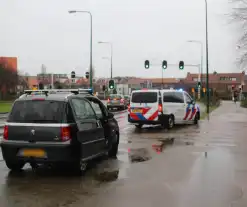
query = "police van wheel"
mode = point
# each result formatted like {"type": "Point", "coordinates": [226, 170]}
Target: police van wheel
{"type": "Point", "coordinates": [170, 122]}
{"type": "Point", "coordinates": [197, 117]}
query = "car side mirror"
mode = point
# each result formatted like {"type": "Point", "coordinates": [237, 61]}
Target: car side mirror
{"type": "Point", "coordinates": [110, 115]}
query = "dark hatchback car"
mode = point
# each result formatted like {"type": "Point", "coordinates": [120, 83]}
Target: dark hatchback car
{"type": "Point", "coordinates": [61, 128]}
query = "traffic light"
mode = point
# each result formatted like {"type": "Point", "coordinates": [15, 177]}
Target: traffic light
{"type": "Point", "coordinates": [181, 65]}
{"type": "Point", "coordinates": [146, 64]}
{"type": "Point", "coordinates": [103, 88]}
{"type": "Point", "coordinates": [204, 90]}
{"type": "Point", "coordinates": [111, 84]}
{"type": "Point", "coordinates": [199, 84]}
{"type": "Point", "coordinates": [73, 74]}
{"type": "Point", "coordinates": [164, 64]}
{"type": "Point", "coordinates": [87, 75]}
{"type": "Point", "coordinates": [193, 90]}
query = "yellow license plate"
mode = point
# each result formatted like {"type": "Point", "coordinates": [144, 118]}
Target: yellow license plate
{"type": "Point", "coordinates": [137, 110]}
{"type": "Point", "coordinates": [33, 153]}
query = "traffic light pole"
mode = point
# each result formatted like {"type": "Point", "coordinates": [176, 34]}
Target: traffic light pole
{"type": "Point", "coordinates": [162, 78]}
{"type": "Point", "coordinates": [91, 50]}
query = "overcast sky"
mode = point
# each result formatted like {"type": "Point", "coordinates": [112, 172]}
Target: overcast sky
{"type": "Point", "coordinates": [42, 32]}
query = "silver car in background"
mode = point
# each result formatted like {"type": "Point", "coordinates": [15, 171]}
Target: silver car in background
{"type": "Point", "coordinates": [116, 101]}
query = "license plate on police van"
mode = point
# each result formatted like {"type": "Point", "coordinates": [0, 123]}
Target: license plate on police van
{"type": "Point", "coordinates": [136, 110]}
{"type": "Point", "coordinates": [33, 153]}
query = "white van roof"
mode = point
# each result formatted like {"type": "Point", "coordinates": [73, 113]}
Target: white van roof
{"type": "Point", "coordinates": [145, 90]}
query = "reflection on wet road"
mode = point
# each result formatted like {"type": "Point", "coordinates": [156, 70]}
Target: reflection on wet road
{"type": "Point", "coordinates": [189, 166]}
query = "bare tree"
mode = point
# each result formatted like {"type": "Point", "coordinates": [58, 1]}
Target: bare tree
{"type": "Point", "coordinates": [239, 15]}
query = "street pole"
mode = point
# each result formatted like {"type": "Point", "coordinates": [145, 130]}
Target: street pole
{"type": "Point", "coordinates": [91, 51]}
{"type": "Point", "coordinates": [91, 45]}
{"type": "Point", "coordinates": [200, 68]}
{"type": "Point", "coordinates": [207, 75]}
{"type": "Point", "coordinates": [111, 59]}
{"type": "Point", "coordinates": [162, 79]}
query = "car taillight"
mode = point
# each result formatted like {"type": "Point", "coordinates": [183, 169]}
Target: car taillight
{"type": "Point", "coordinates": [129, 108]}
{"type": "Point", "coordinates": [65, 133]}
{"type": "Point", "coordinates": [5, 132]}
{"type": "Point", "coordinates": [160, 107]}
{"type": "Point", "coordinates": [122, 100]}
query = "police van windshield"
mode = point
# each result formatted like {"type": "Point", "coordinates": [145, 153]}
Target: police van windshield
{"type": "Point", "coordinates": [144, 97]}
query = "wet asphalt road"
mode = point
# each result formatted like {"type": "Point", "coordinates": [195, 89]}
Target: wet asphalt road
{"type": "Point", "coordinates": [189, 166]}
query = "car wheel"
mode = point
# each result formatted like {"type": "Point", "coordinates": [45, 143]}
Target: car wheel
{"type": "Point", "coordinates": [114, 148]}
{"type": "Point", "coordinates": [139, 126]}
{"type": "Point", "coordinates": [15, 165]}
{"type": "Point", "coordinates": [80, 166]}
{"type": "Point", "coordinates": [196, 118]}
{"type": "Point", "coordinates": [170, 122]}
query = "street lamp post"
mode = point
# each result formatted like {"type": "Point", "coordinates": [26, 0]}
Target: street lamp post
{"type": "Point", "coordinates": [207, 75]}
{"type": "Point", "coordinates": [200, 72]}
{"type": "Point", "coordinates": [91, 44]}
{"type": "Point", "coordinates": [111, 52]}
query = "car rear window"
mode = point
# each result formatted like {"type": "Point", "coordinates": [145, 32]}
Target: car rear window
{"type": "Point", "coordinates": [37, 112]}
{"type": "Point", "coordinates": [111, 97]}
{"type": "Point", "coordinates": [144, 97]}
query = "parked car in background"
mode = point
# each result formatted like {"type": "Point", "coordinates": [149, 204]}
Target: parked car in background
{"type": "Point", "coordinates": [116, 101]}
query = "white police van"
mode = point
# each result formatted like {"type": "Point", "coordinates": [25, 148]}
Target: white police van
{"type": "Point", "coordinates": [162, 107]}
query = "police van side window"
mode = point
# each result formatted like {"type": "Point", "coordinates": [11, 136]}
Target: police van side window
{"type": "Point", "coordinates": [173, 97]}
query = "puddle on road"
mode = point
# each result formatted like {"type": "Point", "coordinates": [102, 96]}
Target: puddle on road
{"type": "Point", "coordinates": [162, 144]}
{"type": "Point", "coordinates": [139, 155]}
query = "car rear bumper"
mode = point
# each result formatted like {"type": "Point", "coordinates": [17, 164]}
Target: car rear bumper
{"type": "Point", "coordinates": [162, 119]}
{"type": "Point", "coordinates": [53, 152]}
{"type": "Point", "coordinates": [115, 105]}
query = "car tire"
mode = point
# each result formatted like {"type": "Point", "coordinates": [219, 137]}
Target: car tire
{"type": "Point", "coordinates": [139, 126]}
{"type": "Point", "coordinates": [80, 166]}
{"type": "Point", "coordinates": [170, 122]}
{"type": "Point", "coordinates": [14, 165]}
{"type": "Point", "coordinates": [196, 119]}
{"type": "Point", "coordinates": [114, 147]}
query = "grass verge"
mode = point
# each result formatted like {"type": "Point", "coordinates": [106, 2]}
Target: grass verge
{"type": "Point", "coordinates": [5, 106]}
{"type": "Point", "coordinates": [204, 114]}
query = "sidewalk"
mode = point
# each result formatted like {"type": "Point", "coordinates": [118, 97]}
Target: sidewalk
{"type": "Point", "coordinates": [220, 173]}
